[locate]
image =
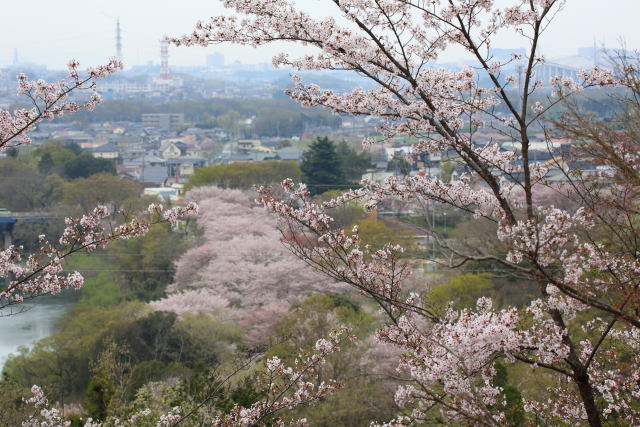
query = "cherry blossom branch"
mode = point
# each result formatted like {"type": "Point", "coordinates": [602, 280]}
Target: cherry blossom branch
{"type": "Point", "coordinates": [42, 274]}
{"type": "Point", "coordinates": [211, 395]}
{"type": "Point", "coordinates": [287, 387]}
{"type": "Point", "coordinates": [391, 42]}
{"type": "Point", "coordinates": [338, 255]}
{"type": "Point", "coordinates": [51, 100]}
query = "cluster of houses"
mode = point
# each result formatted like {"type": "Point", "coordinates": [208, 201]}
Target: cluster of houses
{"type": "Point", "coordinates": [162, 154]}
{"type": "Point", "coordinates": [141, 153]}
{"type": "Point", "coordinates": [159, 152]}
{"type": "Point", "coordinates": [556, 156]}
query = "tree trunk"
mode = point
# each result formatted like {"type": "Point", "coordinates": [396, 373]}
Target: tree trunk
{"type": "Point", "coordinates": [586, 393]}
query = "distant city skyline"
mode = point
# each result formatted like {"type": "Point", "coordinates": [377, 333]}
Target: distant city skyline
{"type": "Point", "coordinates": [87, 32]}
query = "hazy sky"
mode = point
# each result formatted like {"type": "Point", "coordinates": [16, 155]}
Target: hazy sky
{"type": "Point", "coordinates": [53, 31]}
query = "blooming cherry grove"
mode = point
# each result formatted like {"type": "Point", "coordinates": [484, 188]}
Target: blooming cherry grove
{"type": "Point", "coordinates": [237, 231]}
{"type": "Point", "coordinates": [29, 275]}
{"type": "Point", "coordinates": [582, 328]}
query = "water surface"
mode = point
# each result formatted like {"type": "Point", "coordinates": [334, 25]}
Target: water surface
{"type": "Point", "coordinates": [32, 324]}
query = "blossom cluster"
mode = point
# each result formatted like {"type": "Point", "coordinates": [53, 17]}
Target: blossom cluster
{"type": "Point", "coordinates": [48, 417]}
{"type": "Point", "coordinates": [311, 235]}
{"type": "Point", "coordinates": [287, 387]}
{"type": "Point", "coordinates": [51, 100]}
{"type": "Point", "coordinates": [43, 273]}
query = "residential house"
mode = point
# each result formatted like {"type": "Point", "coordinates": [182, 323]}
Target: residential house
{"type": "Point", "coordinates": [290, 153]}
{"type": "Point", "coordinates": [174, 149]}
{"type": "Point", "coordinates": [377, 177]}
{"type": "Point", "coordinates": [165, 193]}
{"type": "Point", "coordinates": [147, 169]}
{"type": "Point", "coordinates": [269, 142]}
{"type": "Point", "coordinates": [248, 144]}
{"type": "Point", "coordinates": [229, 158]}
{"type": "Point", "coordinates": [72, 136]}
{"type": "Point", "coordinates": [179, 167]}
{"type": "Point", "coordinates": [106, 151]}
{"type": "Point", "coordinates": [92, 144]}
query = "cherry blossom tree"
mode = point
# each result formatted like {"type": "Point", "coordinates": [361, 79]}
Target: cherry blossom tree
{"type": "Point", "coordinates": [240, 263]}
{"type": "Point", "coordinates": [284, 386]}
{"type": "Point", "coordinates": [28, 275]}
{"type": "Point", "coordinates": [583, 329]}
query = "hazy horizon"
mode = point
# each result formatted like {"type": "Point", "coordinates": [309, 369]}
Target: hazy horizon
{"type": "Point", "coordinates": [87, 31]}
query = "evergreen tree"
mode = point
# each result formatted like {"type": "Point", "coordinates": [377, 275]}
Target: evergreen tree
{"type": "Point", "coordinates": [354, 163]}
{"type": "Point", "coordinates": [86, 165]}
{"type": "Point", "coordinates": [322, 168]}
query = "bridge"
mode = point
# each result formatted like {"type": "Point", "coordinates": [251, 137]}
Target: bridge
{"type": "Point", "coordinates": [9, 219]}
{"type": "Point", "coordinates": [547, 71]}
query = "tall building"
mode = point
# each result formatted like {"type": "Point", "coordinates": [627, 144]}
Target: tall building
{"type": "Point", "coordinates": [164, 121]}
{"type": "Point", "coordinates": [215, 60]}
{"type": "Point", "coordinates": [15, 57]}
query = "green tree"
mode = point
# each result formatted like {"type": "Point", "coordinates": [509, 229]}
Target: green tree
{"type": "Point", "coordinates": [46, 163]}
{"type": "Point", "coordinates": [207, 121]}
{"type": "Point", "coordinates": [400, 164]}
{"type": "Point", "coordinates": [344, 215]}
{"type": "Point", "coordinates": [376, 234]}
{"type": "Point", "coordinates": [463, 290]}
{"type": "Point", "coordinates": [447, 168]}
{"type": "Point", "coordinates": [15, 410]}
{"type": "Point", "coordinates": [84, 194]}
{"type": "Point", "coordinates": [231, 122]}
{"type": "Point", "coordinates": [23, 188]}
{"type": "Point", "coordinates": [245, 176]}
{"type": "Point", "coordinates": [362, 399]}
{"type": "Point", "coordinates": [158, 336]}
{"type": "Point", "coordinates": [86, 165]}
{"type": "Point", "coordinates": [153, 370]}
{"type": "Point", "coordinates": [321, 167]}
{"type": "Point", "coordinates": [512, 404]}
{"type": "Point", "coordinates": [53, 155]}
{"type": "Point", "coordinates": [146, 264]}
{"type": "Point", "coordinates": [100, 287]}
{"type": "Point", "coordinates": [108, 389]}
{"type": "Point", "coordinates": [354, 163]}
{"type": "Point", "coordinates": [61, 362]}
{"type": "Point", "coordinates": [278, 122]}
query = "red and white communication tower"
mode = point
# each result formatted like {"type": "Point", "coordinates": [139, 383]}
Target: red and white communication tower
{"type": "Point", "coordinates": [165, 74]}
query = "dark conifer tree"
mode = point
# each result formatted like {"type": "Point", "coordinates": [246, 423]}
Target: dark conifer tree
{"type": "Point", "coordinates": [321, 167]}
